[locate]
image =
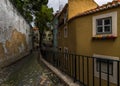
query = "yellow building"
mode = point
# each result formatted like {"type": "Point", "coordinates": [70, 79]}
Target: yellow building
{"type": "Point", "coordinates": [63, 29]}
{"type": "Point", "coordinates": [76, 7]}
{"type": "Point", "coordinates": [65, 38]}
{"type": "Point", "coordinates": [95, 32]}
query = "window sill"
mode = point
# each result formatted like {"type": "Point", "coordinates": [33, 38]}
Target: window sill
{"type": "Point", "coordinates": [104, 37]}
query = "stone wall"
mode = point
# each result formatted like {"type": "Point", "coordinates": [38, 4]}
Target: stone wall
{"type": "Point", "coordinates": [15, 39]}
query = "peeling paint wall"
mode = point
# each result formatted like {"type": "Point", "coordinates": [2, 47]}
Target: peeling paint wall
{"type": "Point", "coordinates": [14, 33]}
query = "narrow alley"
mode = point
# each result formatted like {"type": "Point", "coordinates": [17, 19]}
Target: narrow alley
{"type": "Point", "coordinates": [28, 71]}
{"type": "Point", "coordinates": [72, 43]}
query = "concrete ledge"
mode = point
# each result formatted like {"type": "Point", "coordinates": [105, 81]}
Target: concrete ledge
{"type": "Point", "coordinates": [62, 76]}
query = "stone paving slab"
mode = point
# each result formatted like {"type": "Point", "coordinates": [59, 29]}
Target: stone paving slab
{"type": "Point", "coordinates": [29, 72]}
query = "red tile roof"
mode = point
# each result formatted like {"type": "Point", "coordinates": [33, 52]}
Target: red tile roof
{"type": "Point", "coordinates": [114, 3]}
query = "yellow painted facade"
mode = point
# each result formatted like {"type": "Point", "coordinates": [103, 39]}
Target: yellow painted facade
{"type": "Point", "coordinates": [76, 7]}
{"type": "Point", "coordinates": [65, 41]}
{"type": "Point", "coordinates": [80, 39]}
{"type": "Point", "coordinates": [85, 44]}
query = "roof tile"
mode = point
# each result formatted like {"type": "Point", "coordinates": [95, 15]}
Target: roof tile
{"type": "Point", "coordinates": [112, 4]}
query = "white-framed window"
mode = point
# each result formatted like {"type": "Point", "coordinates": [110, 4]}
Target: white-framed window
{"type": "Point", "coordinates": [65, 49]}
{"type": "Point", "coordinates": [65, 32]}
{"type": "Point", "coordinates": [102, 64]}
{"type": "Point", "coordinates": [105, 24]}
{"type": "Point", "coordinates": [65, 52]}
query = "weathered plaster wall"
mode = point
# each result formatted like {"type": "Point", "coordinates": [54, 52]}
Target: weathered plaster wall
{"type": "Point", "coordinates": [14, 34]}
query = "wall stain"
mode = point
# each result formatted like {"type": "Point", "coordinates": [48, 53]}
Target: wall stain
{"type": "Point", "coordinates": [17, 40]}
{"type": "Point", "coordinates": [14, 34]}
{"type": "Point", "coordinates": [13, 46]}
{"type": "Point", "coordinates": [2, 53]}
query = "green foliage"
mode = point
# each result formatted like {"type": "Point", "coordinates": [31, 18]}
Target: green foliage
{"type": "Point", "coordinates": [43, 16]}
{"type": "Point", "coordinates": [38, 8]}
{"type": "Point", "coordinates": [22, 7]}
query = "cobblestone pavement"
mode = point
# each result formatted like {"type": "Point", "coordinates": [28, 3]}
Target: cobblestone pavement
{"type": "Point", "coordinates": [28, 71]}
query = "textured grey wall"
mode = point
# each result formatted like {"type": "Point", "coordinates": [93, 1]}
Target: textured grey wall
{"type": "Point", "coordinates": [14, 33]}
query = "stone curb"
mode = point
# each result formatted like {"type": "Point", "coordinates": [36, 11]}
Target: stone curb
{"type": "Point", "coordinates": [62, 76]}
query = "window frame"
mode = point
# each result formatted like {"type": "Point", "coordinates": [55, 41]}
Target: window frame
{"type": "Point", "coordinates": [65, 32]}
{"type": "Point", "coordinates": [113, 76]}
{"type": "Point", "coordinates": [66, 52]}
{"type": "Point", "coordinates": [113, 16]}
{"type": "Point", "coordinates": [104, 62]}
{"type": "Point", "coordinates": [103, 25]}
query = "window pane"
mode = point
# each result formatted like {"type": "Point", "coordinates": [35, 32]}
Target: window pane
{"type": "Point", "coordinates": [104, 65]}
{"type": "Point", "coordinates": [107, 28]}
{"type": "Point", "coordinates": [99, 29]}
{"type": "Point", "coordinates": [107, 21]}
{"type": "Point", "coordinates": [99, 22]}
{"type": "Point", "coordinates": [65, 32]}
